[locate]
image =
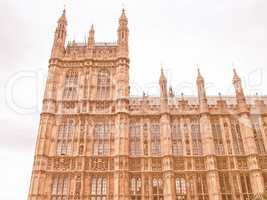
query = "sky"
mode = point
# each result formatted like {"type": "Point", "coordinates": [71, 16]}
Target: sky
{"type": "Point", "coordinates": [179, 35]}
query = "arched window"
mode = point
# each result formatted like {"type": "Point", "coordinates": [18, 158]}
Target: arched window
{"type": "Point", "coordinates": [202, 189]}
{"type": "Point", "coordinates": [71, 86]}
{"type": "Point", "coordinates": [196, 137]}
{"type": "Point", "coordinates": [103, 84]}
{"type": "Point", "coordinates": [64, 138]}
{"type": "Point", "coordinates": [99, 188]}
{"type": "Point", "coordinates": [217, 136]}
{"type": "Point", "coordinates": [101, 139]}
{"type": "Point", "coordinates": [237, 138]}
{"type": "Point", "coordinates": [258, 135]}
{"type": "Point", "coordinates": [157, 189]}
{"type": "Point", "coordinates": [136, 188]}
{"type": "Point", "coordinates": [60, 187]}
{"type": "Point", "coordinates": [155, 139]}
{"type": "Point", "coordinates": [180, 188]}
{"type": "Point", "coordinates": [225, 186]}
{"type": "Point", "coordinates": [135, 139]}
{"type": "Point", "coordinates": [246, 186]}
{"type": "Point", "coordinates": [177, 142]}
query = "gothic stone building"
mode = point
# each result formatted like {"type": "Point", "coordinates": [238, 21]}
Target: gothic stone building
{"type": "Point", "coordinates": [97, 142]}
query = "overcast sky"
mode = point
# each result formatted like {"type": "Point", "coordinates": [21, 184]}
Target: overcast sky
{"type": "Point", "coordinates": [179, 34]}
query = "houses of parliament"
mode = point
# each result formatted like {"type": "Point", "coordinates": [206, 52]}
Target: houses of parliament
{"type": "Point", "coordinates": [96, 142]}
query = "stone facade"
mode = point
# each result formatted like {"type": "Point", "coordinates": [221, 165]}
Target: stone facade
{"type": "Point", "coordinates": [97, 142]}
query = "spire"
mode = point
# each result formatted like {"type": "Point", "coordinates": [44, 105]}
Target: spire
{"type": "Point", "coordinates": [203, 105]}
{"type": "Point", "coordinates": [199, 76]}
{"type": "Point", "coordinates": [123, 34]}
{"type": "Point", "coordinates": [162, 78]}
{"type": "Point", "coordinates": [171, 93]}
{"type": "Point", "coordinates": [240, 97]}
{"type": "Point", "coordinates": [63, 19]}
{"type": "Point", "coordinates": [60, 36]}
{"type": "Point", "coordinates": [163, 92]}
{"type": "Point", "coordinates": [236, 78]}
{"type": "Point", "coordinates": [123, 16]}
{"type": "Point", "coordinates": [91, 38]}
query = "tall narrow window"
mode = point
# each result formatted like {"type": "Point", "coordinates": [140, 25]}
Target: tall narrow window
{"type": "Point", "coordinates": [177, 142]}
{"type": "Point", "coordinates": [246, 186]}
{"type": "Point", "coordinates": [217, 136]}
{"type": "Point", "coordinates": [101, 139]}
{"type": "Point", "coordinates": [64, 138]}
{"type": "Point", "coordinates": [225, 186]}
{"type": "Point", "coordinates": [60, 187]}
{"type": "Point", "coordinates": [99, 188]}
{"type": "Point", "coordinates": [155, 139]}
{"type": "Point", "coordinates": [136, 188]}
{"type": "Point", "coordinates": [135, 139]}
{"type": "Point", "coordinates": [202, 189]}
{"type": "Point", "coordinates": [103, 84]}
{"type": "Point", "coordinates": [157, 189]}
{"type": "Point", "coordinates": [196, 137]}
{"type": "Point", "coordinates": [71, 86]}
{"type": "Point", "coordinates": [180, 188]}
{"type": "Point", "coordinates": [258, 135]}
{"type": "Point", "coordinates": [237, 139]}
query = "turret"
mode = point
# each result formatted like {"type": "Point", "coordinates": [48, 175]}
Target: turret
{"type": "Point", "coordinates": [203, 103]}
{"type": "Point", "coordinates": [91, 38]}
{"type": "Point", "coordinates": [240, 97]}
{"type": "Point", "coordinates": [123, 33]}
{"type": "Point", "coordinates": [60, 37]}
{"type": "Point", "coordinates": [163, 92]}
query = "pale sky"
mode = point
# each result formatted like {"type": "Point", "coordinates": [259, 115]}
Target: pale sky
{"type": "Point", "coordinates": [177, 34]}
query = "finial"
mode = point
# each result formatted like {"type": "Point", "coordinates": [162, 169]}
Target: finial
{"type": "Point", "coordinates": [234, 70]}
{"type": "Point", "coordinates": [171, 93]}
{"type": "Point", "coordinates": [123, 15]}
{"type": "Point", "coordinates": [220, 95]}
{"type": "Point", "coordinates": [92, 28]}
{"type": "Point", "coordinates": [182, 95]}
{"type": "Point", "coordinates": [236, 77]}
{"type": "Point", "coordinates": [63, 19]}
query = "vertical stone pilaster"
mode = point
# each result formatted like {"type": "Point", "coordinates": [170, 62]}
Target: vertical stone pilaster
{"type": "Point", "coordinates": [209, 152]}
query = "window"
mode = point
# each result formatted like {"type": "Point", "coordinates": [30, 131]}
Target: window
{"type": "Point", "coordinates": [237, 139]}
{"type": "Point", "coordinates": [60, 187]}
{"type": "Point", "coordinates": [136, 188]}
{"type": "Point", "coordinates": [155, 139]}
{"type": "Point", "coordinates": [217, 136]}
{"type": "Point", "coordinates": [258, 135]}
{"type": "Point", "coordinates": [202, 190]}
{"type": "Point", "coordinates": [157, 189]}
{"type": "Point", "coordinates": [177, 142]}
{"type": "Point", "coordinates": [103, 84]}
{"type": "Point", "coordinates": [64, 138]}
{"type": "Point", "coordinates": [180, 188]}
{"type": "Point", "coordinates": [71, 86]}
{"type": "Point", "coordinates": [101, 139]}
{"type": "Point", "coordinates": [135, 139]}
{"type": "Point", "coordinates": [246, 186]}
{"type": "Point", "coordinates": [225, 186]}
{"type": "Point", "coordinates": [99, 188]}
{"type": "Point", "coordinates": [196, 137]}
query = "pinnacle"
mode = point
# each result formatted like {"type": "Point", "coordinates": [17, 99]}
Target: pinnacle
{"type": "Point", "coordinates": [63, 18]}
{"type": "Point", "coordinates": [92, 28]}
{"type": "Point", "coordinates": [123, 15]}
